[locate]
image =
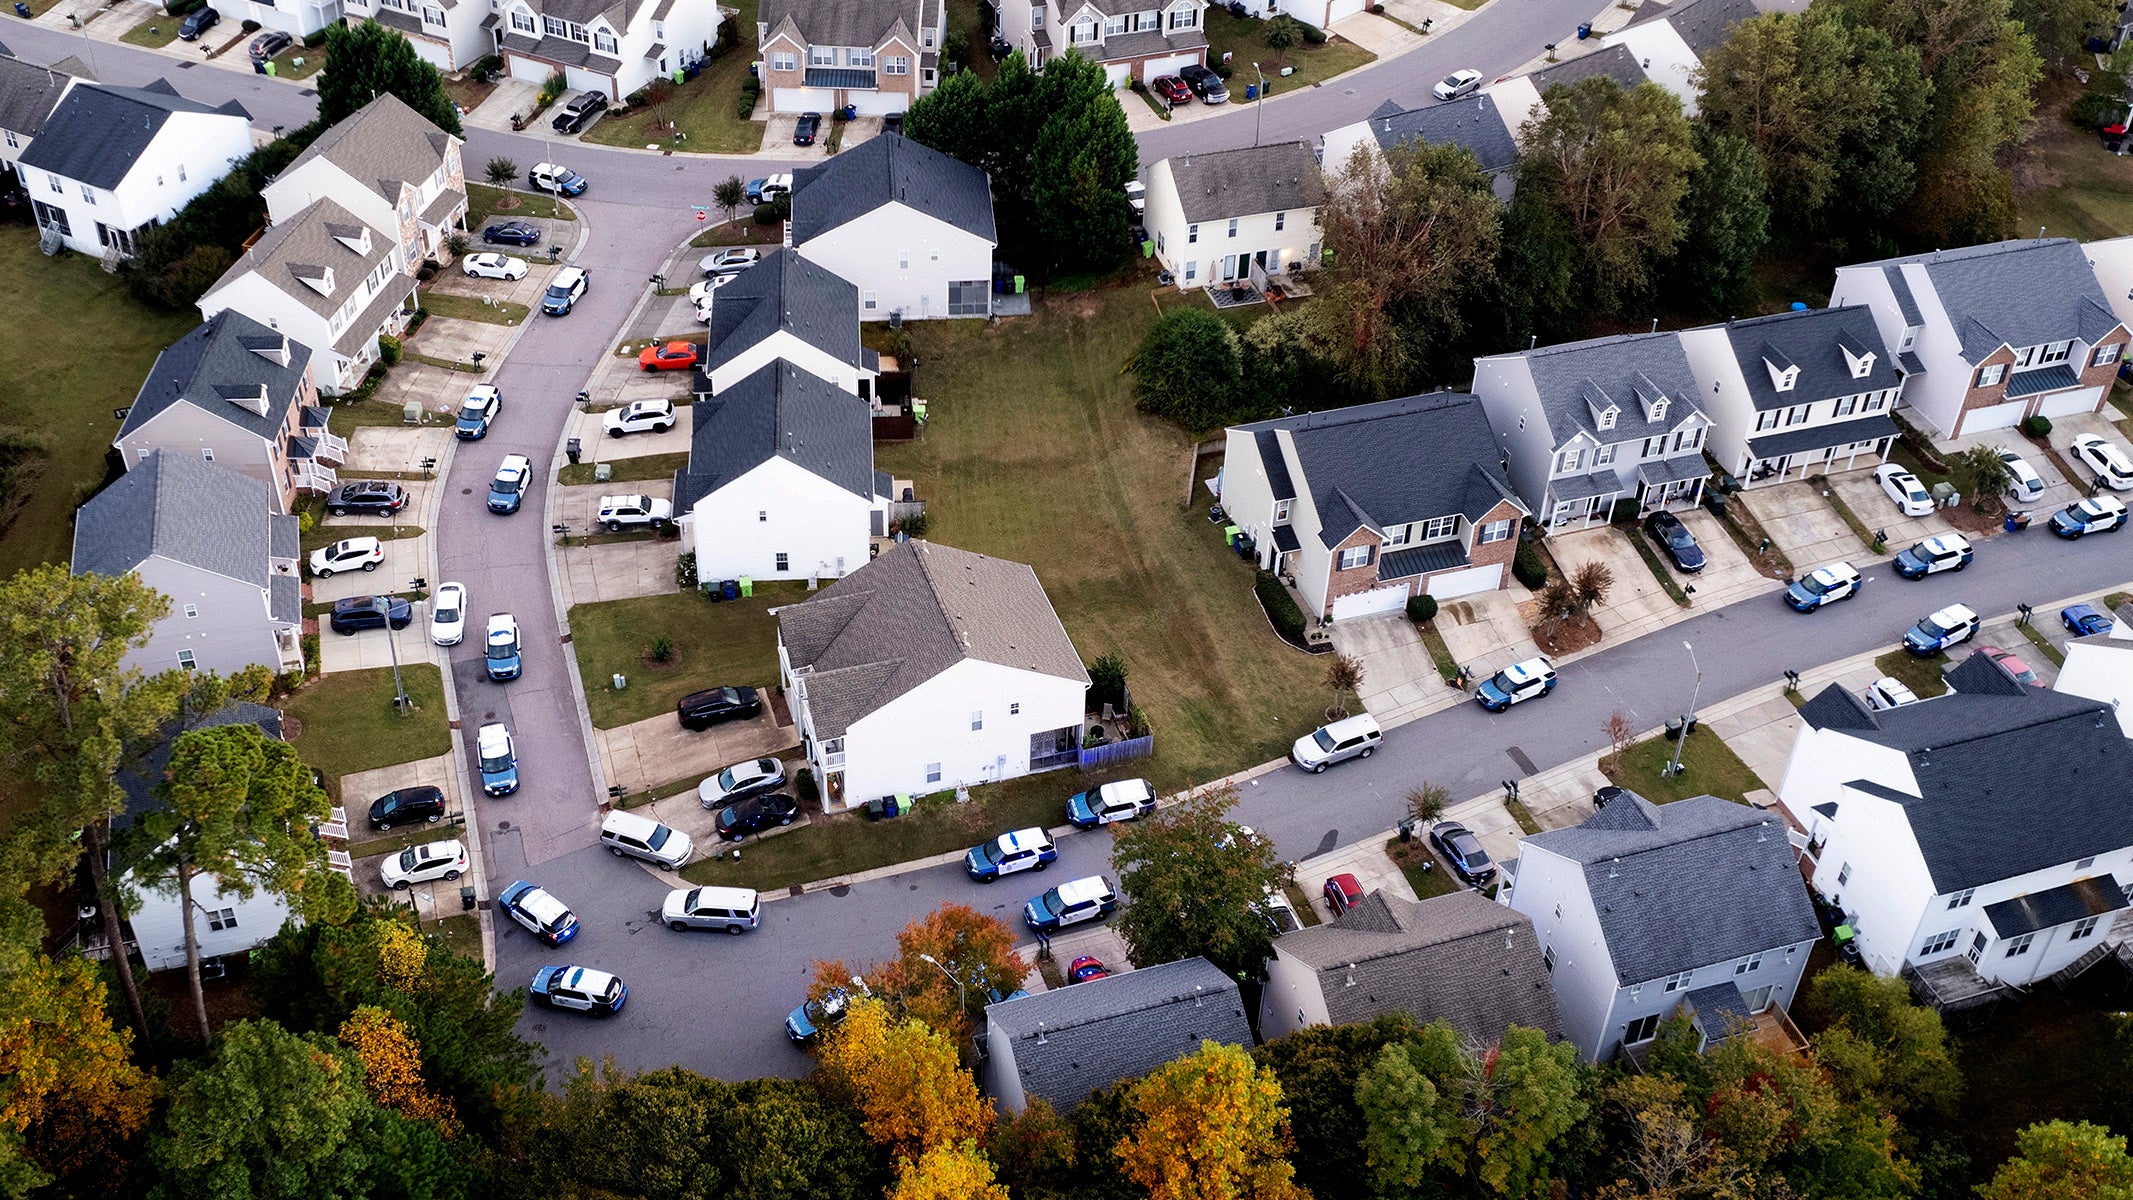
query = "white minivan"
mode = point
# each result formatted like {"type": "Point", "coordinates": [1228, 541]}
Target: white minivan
{"type": "Point", "coordinates": [1354, 737]}
{"type": "Point", "coordinates": [625, 834]}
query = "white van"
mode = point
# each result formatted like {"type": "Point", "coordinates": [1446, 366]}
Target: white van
{"type": "Point", "coordinates": [625, 834]}
{"type": "Point", "coordinates": [735, 910]}
{"type": "Point", "coordinates": [1354, 737]}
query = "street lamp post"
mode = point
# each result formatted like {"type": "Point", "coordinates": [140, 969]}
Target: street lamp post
{"type": "Point", "coordinates": [1259, 105]}
{"type": "Point", "coordinates": [1689, 718]}
{"type": "Point", "coordinates": [961, 997]}
{"type": "Point", "coordinates": [383, 606]}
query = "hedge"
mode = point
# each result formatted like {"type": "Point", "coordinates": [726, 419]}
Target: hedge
{"type": "Point", "coordinates": [1280, 606]}
{"type": "Point", "coordinates": [1527, 567]}
{"type": "Point", "coordinates": [1422, 609]}
{"type": "Point", "coordinates": [2039, 426]}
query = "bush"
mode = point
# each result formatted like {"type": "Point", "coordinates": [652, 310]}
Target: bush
{"type": "Point", "coordinates": [1313, 35]}
{"type": "Point", "coordinates": [1224, 70]}
{"type": "Point", "coordinates": [315, 39]}
{"type": "Point", "coordinates": [492, 65]}
{"type": "Point", "coordinates": [2088, 109]}
{"type": "Point", "coordinates": [458, 245]}
{"type": "Point", "coordinates": [956, 47]}
{"type": "Point", "coordinates": [388, 350]}
{"type": "Point", "coordinates": [804, 783]}
{"type": "Point", "coordinates": [555, 85]}
{"type": "Point", "coordinates": [1280, 606]}
{"type": "Point", "coordinates": [1527, 567]}
{"type": "Point", "coordinates": [744, 108]}
{"type": "Point", "coordinates": [249, 27]}
{"type": "Point", "coordinates": [1107, 681]}
{"type": "Point", "coordinates": [178, 8]}
{"type": "Point", "coordinates": [766, 214]}
{"type": "Point", "coordinates": [1422, 609]}
{"type": "Point", "coordinates": [2037, 426]}
{"type": "Point", "coordinates": [426, 272]}
{"type": "Point", "coordinates": [685, 572]}
{"type": "Point", "coordinates": [1137, 723]}
{"type": "Point", "coordinates": [915, 526]}
{"type": "Point", "coordinates": [661, 650]}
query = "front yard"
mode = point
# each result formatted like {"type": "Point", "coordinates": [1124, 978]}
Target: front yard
{"type": "Point", "coordinates": [713, 645]}
{"type": "Point", "coordinates": [484, 202]}
{"type": "Point", "coordinates": [348, 723]}
{"type": "Point", "coordinates": [1244, 38]}
{"type": "Point", "coordinates": [155, 32]}
{"type": "Point", "coordinates": [703, 110]}
{"type": "Point", "coordinates": [1708, 768]}
{"type": "Point", "coordinates": [1921, 675]}
{"type": "Point", "coordinates": [2064, 179]}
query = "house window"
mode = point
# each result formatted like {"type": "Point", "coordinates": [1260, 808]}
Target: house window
{"type": "Point", "coordinates": [1114, 26]}
{"type": "Point", "coordinates": [977, 721]}
{"type": "Point", "coordinates": [13, 142]}
{"type": "Point", "coordinates": [1440, 527]}
{"type": "Point", "coordinates": [2082, 928]}
{"type": "Point", "coordinates": [1571, 459]}
{"type": "Point", "coordinates": [554, 27]}
{"type": "Point", "coordinates": [1766, 420]}
{"type": "Point", "coordinates": [2104, 356]}
{"type": "Point", "coordinates": [1844, 874]}
{"type": "Point", "coordinates": [1679, 982]}
{"type": "Point", "coordinates": [521, 22]}
{"type": "Point", "coordinates": [867, 301]}
{"type": "Point", "coordinates": [1355, 556]}
{"type": "Point", "coordinates": [1687, 439]}
{"type": "Point", "coordinates": [603, 41]}
{"type": "Point", "coordinates": [220, 919]}
{"type": "Point", "coordinates": [2057, 352]}
{"type": "Point", "coordinates": [1232, 223]}
{"type": "Point", "coordinates": [1036, 16]}
{"type": "Point", "coordinates": [1192, 234]}
{"type": "Point", "coordinates": [191, 611]}
{"type": "Point", "coordinates": [1496, 531]}
{"type": "Point", "coordinates": [762, 514]}
{"type": "Point", "coordinates": [1962, 899]}
{"type": "Point", "coordinates": [860, 58]}
{"type": "Point", "coordinates": [1604, 455]}
{"type": "Point", "coordinates": [1281, 221]}
{"type": "Point", "coordinates": [784, 60]}
{"type": "Point", "coordinates": [1015, 709]}
{"type": "Point", "coordinates": [185, 659]}
{"type": "Point", "coordinates": [58, 187]}
{"type": "Point", "coordinates": [207, 454]}
{"type": "Point", "coordinates": [903, 260]}
{"type": "Point", "coordinates": [1558, 910]}
{"type": "Point", "coordinates": [1185, 18]}
{"type": "Point", "coordinates": [1643, 1029]}
{"type": "Point", "coordinates": [1082, 34]}
{"type": "Point", "coordinates": [784, 561]}
{"type": "Point", "coordinates": [2018, 945]}
{"type": "Point", "coordinates": [1797, 414]}
{"type": "Point", "coordinates": [969, 297]}
{"type": "Point", "coordinates": [1397, 536]}
{"type": "Point", "coordinates": [821, 56]}
{"type": "Point", "coordinates": [1192, 270]}
{"type": "Point", "coordinates": [1991, 376]}
{"type": "Point", "coordinates": [933, 772]}
{"type": "Point", "coordinates": [1940, 943]}
{"type": "Point", "coordinates": [1281, 510]}
{"type": "Point", "coordinates": [1746, 963]}
{"type": "Point", "coordinates": [1847, 406]}
{"type": "Point", "coordinates": [1548, 957]}
{"type": "Point", "coordinates": [2085, 863]}
{"type": "Point", "coordinates": [1654, 446]}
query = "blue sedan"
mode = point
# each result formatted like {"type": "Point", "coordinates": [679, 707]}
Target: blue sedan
{"type": "Point", "coordinates": [1824, 585]}
{"type": "Point", "coordinates": [2097, 514]}
{"type": "Point", "coordinates": [2082, 620]}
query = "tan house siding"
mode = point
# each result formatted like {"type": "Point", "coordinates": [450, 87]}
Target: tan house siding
{"type": "Point", "coordinates": [906, 84]}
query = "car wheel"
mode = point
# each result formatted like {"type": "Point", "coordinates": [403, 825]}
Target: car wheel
{"type": "Point", "coordinates": [325, 572]}
{"type": "Point", "coordinates": [1368, 751]}
{"type": "Point", "coordinates": [785, 820]}
{"type": "Point", "coordinates": [379, 825]}
{"type": "Point", "coordinates": [736, 930]}
{"type": "Point", "coordinates": [1042, 865]}
{"type": "Point", "coordinates": [659, 524]}
{"type": "Point", "coordinates": [370, 566]}
{"type": "Point", "coordinates": [614, 527]}
{"type": "Point", "coordinates": [338, 511]}
{"type": "Point", "coordinates": [668, 425]}
{"type": "Point", "coordinates": [449, 876]}
{"type": "Point", "coordinates": [614, 433]}
{"type": "Point", "coordinates": [614, 851]}
{"type": "Point", "coordinates": [433, 818]}
{"type": "Point", "coordinates": [1320, 769]}
{"type": "Point", "coordinates": [1959, 566]}
{"type": "Point", "coordinates": [988, 879]}
{"type": "Point", "coordinates": [647, 368]}
{"type": "Point", "coordinates": [400, 885]}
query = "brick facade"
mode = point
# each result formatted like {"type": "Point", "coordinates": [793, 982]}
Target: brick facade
{"type": "Point", "coordinates": [2095, 375]}
{"type": "Point", "coordinates": [1496, 553]}
{"type": "Point", "coordinates": [1356, 579]}
{"type": "Point", "coordinates": [1341, 583]}
{"type": "Point", "coordinates": [1985, 397]}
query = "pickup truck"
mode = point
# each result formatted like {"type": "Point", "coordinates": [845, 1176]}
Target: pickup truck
{"type": "Point", "coordinates": [626, 512]}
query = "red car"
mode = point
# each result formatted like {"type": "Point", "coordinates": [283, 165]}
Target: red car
{"type": "Point", "coordinates": [1172, 88]}
{"type": "Point", "coordinates": [1085, 968]}
{"type": "Point", "coordinates": [1343, 893]}
{"type": "Point", "coordinates": [674, 356]}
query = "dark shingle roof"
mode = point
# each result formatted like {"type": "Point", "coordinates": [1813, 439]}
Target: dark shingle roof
{"type": "Point", "coordinates": [1814, 340]}
{"type": "Point", "coordinates": [1823, 437]}
{"type": "Point", "coordinates": [784, 291]}
{"type": "Point", "coordinates": [1474, 122]}
{"type": "Point", "coordinates": [219, 369]}
{"type": "Point", "coordinates": [1393, 462]}
{"type": "Point", "coordinates": [2055, 906]}
{"type": "Point", "coordinates": [1622, 368]}
{"type": "Point", "coordinates": [1282, 177]}
{"type": "Point", "coordinates": [309, 245]}
{"type": "Point", "coordinates": [178, 507]}
{"type": "Point", "coordinates": [1615, 62]}
{"type": "Point", "coordinates": [1275, 463]}
{"type": "Point", "coordinates": [138, 780]}
{"type": "Point", "coordinates": [890, 169]}
{"type": "Point", "coordinates": [99, 131]}
{"type": "Point", "coordinates": [1683, 886]}
{"type": "Point", "coordinates": [1458, 958]}
{"type": "Point", "coordinates": [27, 94]}
{"type": "Point", "coordinates": [382, 145]}
{"type": "Point", "coordinates": [784, 412]}
{"type": "Point", "coordinates": [847, 22]}
{"type": "Point", "coordinates": [1073, 1040]}
{"type": "Point", "coordinates": [2016, 293]}
{"type": "Point", "coordinates": [1703, 24]}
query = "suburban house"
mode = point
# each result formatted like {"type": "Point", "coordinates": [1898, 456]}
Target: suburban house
{"type": "Point", "coordinates": [1132, 39]}
{"type": "Point", "coordinates": [2100, 667]}
{"type": "Point", "coordinates": [1459, 958]}
{"type": "Point", "coordinates": [1647, 911]}
{"type": "Point", "coordinates": [613, 47]}
{"type": "Point", "coordinates": [877, 56]}
{"type": "Point", "coordinates": [28, 94]}
{"type": "Point", "coordinates": [2112, 260]}
{"type": "Point", "coordinates": [1484, 125]}
{"type": "Point", "coordinates": [1991, 335]}
{"type": "Point", "coordinates": [786, 309]}
{"type": "Point", "coordinates": [1236, 215]}
{"type": "Point", "coordinates": [1977, 841]}
{"type": "Point", "coordinates": [450, 35]}
{"type": "Point", "coordinates": [240, 395]}
{"type": "Point", "coordinates": [111, 162]}
{"type": "Point", "coordinates": [1662, 44]}
{"type": "Point", "coordinates": [211, 540]}
{"type": "Point", "coordinates": [1796, 393]}
{"type": "Point", "coordinates": [908, 226]}
{"type": "Point", "coordinates": [1061, 1045]}
{"type": "Point", "coordinates": [388, 165]}
{"type": "Point", "coordinates": [930, 668]}
{"type": "Point", "coordinates": [781, 481]}
{"type": "Point", "coordinates": [1586, 424]}
{"type": "Point", "coordinates": [327, 279]}
{"type": "Point", "coordinates": [1363, 507]}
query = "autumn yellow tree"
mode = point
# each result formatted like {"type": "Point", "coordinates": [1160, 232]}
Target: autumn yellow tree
{"type": "Point", "coordinates": [402, 955]}
{"type": "Point", "coordinates": [971, 953]}
{"type": "Point", "coordinates": [392, 1068]}
{"type": "Point", "coordinates": [957, 1172]}
{"type": "Point", "coordinates": [903, 1077]}
{"type": "Point", "coordinates": [68, 1095]}
{"type": "Point", "coordinates": [1212, 1127]}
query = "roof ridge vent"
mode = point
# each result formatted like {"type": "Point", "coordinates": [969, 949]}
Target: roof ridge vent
{"type": "Point", "coordinates": [1040, 1034]}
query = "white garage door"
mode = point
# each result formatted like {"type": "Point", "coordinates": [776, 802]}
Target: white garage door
{"type": "Point", "coordinates": [1364, 604]}
{"type": "Point", "coordinates": [1465, 583]}
{"type": "Point", "coordinates": [529, 69]}
{"type": "Point", "coordinates": [879, 104]}
{"type": "Point", "coordinates": [2066, 404]}
{"type": "Point", "coordinates": [435, 55]}
{"type": "Point", "coordinates": [1337, 9]}
{"type": "Point", "coordinates": [1118, 74]}
{"type": "Point", "coordinates": [1999, 416]}
{"type": "Point", "coordinates": [800, 100]}
{"type": "Point", "coordinates": [1168, 66]}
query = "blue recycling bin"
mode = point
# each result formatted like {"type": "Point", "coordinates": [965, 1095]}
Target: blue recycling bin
{"type": "Point", "coordinates": [21, 9]}
{"type": "Point", "coordinates": [1584, 31]}
{"type": "Point", "coordinates": [1251, 91]}
{"type": "Point", "coordinates": [851, 111]}
{"type": "Point", "coordinates": [695, 69]}
{"type": "Point", "coordinates": [732, 588]}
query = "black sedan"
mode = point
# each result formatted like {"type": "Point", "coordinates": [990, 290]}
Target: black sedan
{"type": "Point", "coordinates": [1675, 538]}
{"type": "Point", "coordinates": [358, 613]}
{"type": "Point", "coordinates": [755, 815]}
{"type": "Point", "coordinates": [197, 22]}
{"type": "Point", "coordinates": [407, 806]}
{"type": "Point", "coordinates": [269, 44]}
{"type": "Point", "coordinates": [1463, 850]}
{"type": "Point", "coordinates": [804, 133]}
{"type": "Point", "coordinates": [702, 710]}
{"type": "Point", "coordinates": [512, 233]}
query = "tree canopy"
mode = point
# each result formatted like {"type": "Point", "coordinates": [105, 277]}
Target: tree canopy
{"type": "Point", "coordinates": [369, 60]}
{"type": "Point", "coordinates": [1212, 1127]}
{"type": "Point", "coordinates": [1188, 369]}
{"type": "Point", "coordinates": [1199, 883]}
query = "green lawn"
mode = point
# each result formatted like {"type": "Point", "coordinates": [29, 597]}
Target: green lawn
{"type": "Point", "coordinates": [1921, 675]}
{"type": "Point", "coordinates": [471, 308]}
{"type": "Point", "coordinates": [626, 470]}
{"type": "Point", "coordinates": [285, 63]}
{"type": "Point", "coordinates": [702, 110]}
{"type": "Point", "coordinates": [714, 645]}
{"type": "Point", "coordinates": [1709, 768]}
{"type": "Point", "coordinates": [349, 724]}
{"type": "Point", "coordinates": [1244, 38]}
{"type": "Point", "coordinates": [967, 17]}
{"type": "Point", "coordinates": [740, 232]}
{"type": "Point", "coordinates": [461, 932]}
{"type": "Point", "coordinates": [1424, 873]}
{"type": "Point", "coordinates": [155, 33]}
{"type": "Point", "coordinates": [483, 203]}
{"type": "Point", "coordinates": [55, 401]}
{"type": "Point", "coordinates": [2065, 181]}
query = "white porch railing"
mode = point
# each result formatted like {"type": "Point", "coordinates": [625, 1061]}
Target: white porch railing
{"type": "Point", "coordinates": [331, 447]}
{"type": "Point", "coordinates": [313, 476]}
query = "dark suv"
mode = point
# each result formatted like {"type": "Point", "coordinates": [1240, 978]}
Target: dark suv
{"type": "Point", "coordinates": [1204, 83]}
{"type": "Point", "coordinates": [579, 112]}
{"type": "Point", "coordinates": [702, 710]}
{"type": "Point", "coordinates": [379, 496]}
{"type": "Point", "coordinates": [356, 614]}
{"type": "Point", "coordinates": [407, 806]}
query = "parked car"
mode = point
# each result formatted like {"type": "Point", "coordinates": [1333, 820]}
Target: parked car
{"type": "Point", "coordinates": [498, 759]}
{"type": "Point", "coordinates": [629, 835]}
{"type": "Point", "coordinates": [407, 806]}
{"type": "Point", "coordinates": [448, 614]}
{"type": "Point", "coordinates": [1085, 968]}
{"type": "Point", "coordinates": [500, 648]}
{"type": "Point", "coordinates": [701, 710]}
{"type": "Point", "coordinates": [769, 188]}
{"type": "Point", "coordinates": [541, 914]}
{"type": "Point", "coordinates": [348, 554]}
{"type": "Point", "coordinates": [508, 490]}
{"type": "Point", "coordinates": [478, 411]}
{"type": "Point", "coordinates": [674, 356]}
{"type": "Point", "coordinates": [1343, 892]}
{"type": "Point", "coordinates": [756, 777]}
{"type": "Point", "coordinates": [813, 1017]}
{"type": "Point", "coordinates": [730, 261]}
{"type": "Point", "coordinates": [1516, 684]}
{"type": "Point", "coordinates": [2008, 661]}
{"type": "Point", "coordinates": [579, 113]}
{"type": "Point", "coordinates": [2024, 485]}
{"type": "Point", "coordinates": [1071, 903]}
{"type": "Point", "coordinates": [1352, 737]}
{"type": "Point", "coordinates": [1675, 538]}
{"type": "Point", "coordinates": [426, 863]}
{"type": "Point", "coordinates": [1910, 496]}
{"type": "Point", "coordinates": [1204, 83]}
{"type": "Point", "coordinates": [554, 177]}
{"type": "Point", "coordinates": [564, 291]}
{"type": "Point", "coordinates": [491, 265]}
{"type": "Point", "coordinates": [1944, 552]}
{"type": "Point", "coordinates": [511, 233]}
{"type": "Point", "coordinates": [1172, 89]}
{"type": "Point", "coordinates": [639, 416]}
{"type": "Point", "coordinates": [371, 497]}
{"type": "Point", "coordinates": [2081, 620]}
{"type": "Point", "coordinates": [579, 989]}
{"type": "Point", "coordinates": [1279, 914]}
{"type": "Point", "coordinates": [1463, 850]}
{"type": "Point", "coordinates": [2096, 514]}
{"type": "Point", "coordinates": [700, 293]}
{"type": "Point", "coordinates": [1950, 626]}
{"type": "Point", "coordinates": [810, 124]}
{"type": "Point", "coordinates": [269, 44]}
{"type": "Point", "coordinates": [1120, 800]}
{"type": "Point", "coordinates": [2107, 461]}
{"type": "Point", "coordinates": [1889, 692]}
{"type": "Point", "coordinates": [1022, 850]}
{"type": "Point", "coordinates": [735, 910]}
{"type": "Point", "coordinates": [622, 512]}
{"type": "Point", "coordinates": [1137, 197]}
{"type": "Point", "coordinates": [754, 815]}
{"type": "Point", "coordinates": [357, 613]}
{"type": "Point", "coordinates": [197, 22]}
{"type": "Point", "coordinates": [1456, 84]}
{"type": "Point", "coordinates": [1824, 585]}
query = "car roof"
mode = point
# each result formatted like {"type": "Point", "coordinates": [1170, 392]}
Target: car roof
{"type": "Point", "coordinates": [1894, 688]}
{"type": "Point", "coordinates": [357, 543]}
{"type": "Point", "coordinates": [1359, 723]}
{"type": "Point", "coordinates": [587, 980]}
{"type": "Point", "coordinates": [1532, 668]}
{"type": "Point", "coordinates": [1078, 891]}
{"type": "Point", "coordinates": [2101, 504]}
{"type": "Point", "coordinates": [502, 623]}
{"type": "Point", "coordinates": [1944, 542]}
{"type": "Point", "coordinates": [630, 823]}
{"type": "Point", "coordinates": [450, 848]}
{"type": "Point", "coordinates": [483, 390]}
{"type": "Point", "coordinates": [1953, 613]}
{"type": "Point", "coordinates": [1023, 839]}
{"type": "Point", "coordinates": [514, 462]}
{"type": "Point", "coordinates": [1126, 789]}
{"type": "Point", "coordinates": [1836, 572]}
{"type": "Point", "coordinates": [492, 733]}
{"type": "Point", "coordinates": [541, 906]}
{"type": "Point", "coordinates": [567, 276]}
{"type": "Point", "coordinates": [724, 897]}
{"type": "Point", "coordinates": [1346, 883]}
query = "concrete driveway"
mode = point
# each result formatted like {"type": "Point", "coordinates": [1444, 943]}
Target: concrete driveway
{"type": "Point", "coordinates": [2066, 429]}
{"type": "Point", "coordinates": [601, 446]}
{"type": "Point", "coordinates": [406, 560]}
{"type": "Point", "coordinates": [1800, 519]}
{"type": "Point", "coordinates": [1397, 671]}
{"type": "Point", "coordinates": [617, 570]}
{"type": "Point", "coordinates": [1727, 574]}
{"type": "Point", "coordinates": [375, 448]}
{"type": "Point", "coordinates": [2058, 490]}
{"type": "Point", "coordinates": [420, 496]}
{"type": "Point", "coordinates": [1486, 631]}
{"type": "Point", "coordinates": [1877, 512]}
{"type": "Point", "coordinates": [1637, 604]}
{"type": "Point", "coordinates": [579, 506]}
{"type": "Point", "coordinates": [367, 649]}
{"type": "Point", "coordinates": [526, 290]}
{"type": "Point", "coordinates": [644, 754]}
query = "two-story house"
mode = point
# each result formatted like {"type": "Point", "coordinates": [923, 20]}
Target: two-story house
{"type": "Point", "coordinates": [910, 227]}
{"type": "Point", "coordinates": [450, 35]}
{"type": "Point", "coordinates": [2100, 667]}
{"type": "Point", "coordinates": [112, 161]}
{"type": "Point", "coordinates": [613, 47]}
{"type": "Point", "coordinates": [787, 309]}
{"type": "Point", "coordinates": [877, 56]}
{"type": "Point", "coordinates": [1796, 393]}
{"type": "Point", "coordinates": [1645, 911]}
{"type": "Point", "coordinates": [327, 279]}
{"type": "Point", "coordinates": [238, 394]}
{"type": "Point", "coordinates": [294, 17]}
{"type": "Point", "coordinates": [1978, 841]}
{"type": "Point", "coordinates": [211, 540]}
{"type": "Point", "coordinates": [1585, 424]}
{"type": "Point", "coordinates": [1132, 39]}
{"type": "Point", "coordinates": [1482, 124]}
{"type": "Point", "coordinates": [1990, 335]}
{"type": "Point", "coordinates": [28, 94]}
{"type": "Point", "coordinates": [1236, 215]}
{"type": "Point", "coordinates": [387, 164]}
{"type": "Point", "coordinates": [930, 668]}
{"type": "Point", "coordinates": [1363, 507]}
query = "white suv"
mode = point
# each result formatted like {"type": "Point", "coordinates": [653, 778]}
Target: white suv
{"type": "Point", "coordinates": [624, 512]}
{"type": "Point", "coordinates": [2107, 461]}
{"type": "Point", "coordinates": [639, 416]}
{"type": "Point", "coordinates": [352, 554]}
{"type": "Point", "coordinates": [627, 835]}
{"type": "Point", "coordinates": [425, 863]}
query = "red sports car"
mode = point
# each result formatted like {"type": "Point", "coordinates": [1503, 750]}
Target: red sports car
{"type": "Point", "coordinates": [674, 356]}
{"type": "Point", "coordinates": [1343, 893]}
{"type": "Point", "coordinates": [1171, 88]}
{"type": "Point", "coordinates": [1085, 968]}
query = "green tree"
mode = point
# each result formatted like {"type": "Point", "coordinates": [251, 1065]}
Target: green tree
{"type": "Point", "coordinates": [501, 171]}
{"type": "Point", "coordinates": [1288, 357]}
{"type": "Point", "coordinates": [1404, 1129]}
{"type": "Point", "coordinates": [369, 60]}
{"type": "Point", "coordinates": [1727, 212]}
{"type": "Point", "coordinates": [1881, 1047]}
{"type": "Point", "coordinates": [1282, 33]}
{"type": "Point", "coordinates": [1082, 160]}
{"type": "Point", "coordinates": [1035, 1150]}
{"type": "Point", "coordinates": [952, 119]}
{"type": "Point", "coordinates": [1659, 1150]}
{"type": "Point", "coordinates": [177, 261]}
{"type": "Point", "coordinates": [2060, 27]}
{"type": "Point", "coordinates": [1319, 1067]}
{"type": "Point", "coordinates": [2064, 1160]}
{"type": "Point", "coordinates": [1197, 880]}
{"type": "Point", "coordinates": [1520, 1102]}
{"type": "Point", "coordinates": [729, 195]}
{"type": "Point", "coordinates": [1188, 369]}
{"type": "Point", "coordinates": [273, 1115]}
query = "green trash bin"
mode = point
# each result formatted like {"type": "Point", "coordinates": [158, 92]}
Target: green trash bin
{"type": "Point", "coordinates": [271, 68]}
{"type": "Point", "coordinates": [747, 586]}
{"type": "Point", "coordinates": [680, 76]}
{"type": "Point", "coordinates": [1018, 285]}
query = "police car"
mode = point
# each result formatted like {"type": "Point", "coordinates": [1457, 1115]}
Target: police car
{"type": "Point", "coordinates": [2097, 514]}
{"type": "Point", "coordinates": [1946, 552]}
{"type": "Point", "coordinates": [541, 914]}
{"type": "Point", "coordinates": [1516, 683]}
{"type": "Point", "coordinates": [1123, 800]}
{"type": "Point", "coordinates": [1022, 850]}
{"type": "Point", "coordinates": [1943, 629]}
{"type": "Point", "coordinates": [1071, 903]}
{"type": "Point", "coordinates": [1824, 585]}
{"type": "Point", "coordinates": [501, 649]}
{"type": "Point", "coordinates": [579, 989]}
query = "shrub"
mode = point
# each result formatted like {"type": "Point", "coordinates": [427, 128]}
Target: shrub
{"type": "Point", "coordinates": [685, 572]}
{"type": "Point", "coordinates": [388, 349]}
{"type": "Point", "coordinates": [661, 650]}
{"type": "Point", "coordinates": [1313, 35]}
{"type": "Point", "coordinates": [1422, 609]}
{"type": "Point", "coordinates": [744, 108]}
{"type": "Point", "coordinates": [2088, 109]}
{"type": "Point", "coordinates": [249, 26]}
{"type": "Point", "coordinates": [311, 654]}
{"type": "Point", "coordinates": [1137, 722]}
{"type": "Point", "coordinates": [766, 214]}
{"type": "Point", "coordinates": [1107, 681]}
{"type": "Point", "coordinates": [306, 520]}
{"type": "Point", "coordinates": [1224, 70]}
{"type": "Point", "coordinates": [1280, 606]}
{"type": "Point", "coordinates": [553, 87]}
{"type": "Point", "coordinates": [915, 526]}
{"type": "Point", "coordinates": [2038, 426]}
{"type": "Point", "coordinates": [804, 783]}
{"type": "Point", "coordinates": [315, 39]}
{"type": "Point", "coordinates": [1527, 567]}
{"type": "Point", "coordinates": [458, 245]}
{"type": "Point", "coordinates": [493, 64]}
{"type": "Point", "coordinates": [426, 272]}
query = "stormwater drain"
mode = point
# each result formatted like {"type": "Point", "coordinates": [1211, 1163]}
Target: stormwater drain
{"type": "Point", "coordinates": [841, 890]}
{"type": "Point", "coordinates": [466, 491]}
{"type": "Point", "coordinates": [503, 827]}
{"type": "Point", "coordinates": [488, 716]}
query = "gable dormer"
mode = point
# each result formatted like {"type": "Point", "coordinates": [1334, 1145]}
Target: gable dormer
{"type": "Point", "coordinates": [1857, 358]}
{"type": "Point", "coordinates": [1650, 397]}
{"type": "Point", "coordinates": [1602, 406]}
{"type": "Point", "coordinates": [252, 399]}
{"type": "Point", "coordinates": [1784, 373]}
{"type": "Point", "coordinates": [355, 237]}
{"type": "Point", "coordinates": [272, 347]}
{"type": "Point", "coordinates": [318, 279]}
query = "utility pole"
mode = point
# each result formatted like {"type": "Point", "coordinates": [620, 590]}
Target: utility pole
{"type": "Point", "coordinates": [1689, 718]}
{"type": "Point", "coordinates": [383, 606]}
{"type": "Point", "coordinates": [1259, 105]}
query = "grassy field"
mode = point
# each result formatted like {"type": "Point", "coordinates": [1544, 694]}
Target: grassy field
{"type": "Point", "coordinates": [702, 110]}
{"type": "Point", "coordinates": [349, 723]}
{"type": "Point", "coordinates": [1244, 38]}
{"type": "Point", "coordinates": [286, 65]}
{"type": "Point", "coordinates": [1709, 768]}
{"type": "Point", "coordinates": [2064, 180]}
{"type": "Point", "coordinates": [482, 202]}
{"type": "Point", "coordinates": [155, 33]}
{"type": "Point", "coordinates": [714, 645]}
{"type": "Point", "coordinates": [1921, 675]}
{"type": "Point", "coordinates": [470, 308]}
{"type": "Point", "coordinates": [58, 401]}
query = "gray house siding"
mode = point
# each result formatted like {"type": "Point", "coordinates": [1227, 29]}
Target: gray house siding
{"type": "Point", "coordinates": [231, 630]}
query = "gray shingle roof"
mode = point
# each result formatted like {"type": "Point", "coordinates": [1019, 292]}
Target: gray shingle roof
{"type": "Point", "coordinates": [305, 246]}
{"type": "Point", "coordinates": [179, 507]}
{"type": "Point", "coordinates": [847, 22]}
{"type": "Point", "coordinates": [1615, 62]}
{"type": "Point", "coordinates": [1275, 463]}
{"type": "Point", "coordinates": [138, 779]}
{"type": "Point", "coordinates": [98, 131]}
{"type": "Point", "coordinates": [784, 412]}
{"type": "Point", "coordinates": [907, 616]}
{"type": "Point", "coordinates": [216, 369]}
{"type": "Point", "coordinates": [1073, 1040]}
{"type": "Point", "coordinates": [27, 94]}
{"type": "Point", "coordinates": [1813, 340]}
{"type": "Point", "coordinates": [2008, 783]}
{"type": "Point", "coordinates": [1474, 122]}
{"type": "Point", "coordinates": [1823, 437]}
{"type": "Point", "coordinates": [783, 291]}
{"type": "Point", "coordinates": [890, 169]}
{"type": "Point", "coordinates": [1392, 462]}
{"type": "Point", "coordinates": [1458, 958]}
{"type": "Point", "coordinates": [382, 145]}
{"type": "Point", "coordinates": [1282, 177]}
{"type": "Point", "coordinates": [1683, 886]}
{"type": "Point", "coordinates": [1703, 24]}
{"type": "Point", "coordinates": [2016, 293]}
{"type": "Point", "coordinates": [1623, 369]}
{"type": "Point", "coordinates": [2055, 906]}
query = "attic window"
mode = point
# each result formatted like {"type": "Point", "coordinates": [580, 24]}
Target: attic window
{"type": "Point", "coordinates": [1782, 378]}
{"type": "Point", "coordinates": [318, 279]}
{"type": "Point", "coordinates": [1859, 359]}
{"type": "Point", "coordinates": [357, 239]}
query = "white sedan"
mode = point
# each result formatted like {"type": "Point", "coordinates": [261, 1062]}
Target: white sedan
{"type": "Point", "coordinates": [730, 262]}
{"type": "Point", "coordinates": [494, 266]}
{"type": "Point", "coordinates": [425, 863]}
{"type": "Point", "coordinates": [350, 554]}
{"type": "Point", "coordinates": [2023, 483]}
{"type": "Point", "coordinates": [2107, 461]}
{"type": "Point", "coordinates": [700, 294]}
{"type": "Point", "coordinates": [1903, 487]}
{"type": "Point", "coordinates": [448, 614]}
{"type": "Point", "coordinates": [1457, 84]}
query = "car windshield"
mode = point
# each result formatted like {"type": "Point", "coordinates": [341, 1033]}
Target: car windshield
{"type": "Point", "coordinates": [989, 852]}
{"type": "Point", "coordinates": [499, 761]}
{"type": "Point", "coordinates": [1051, 903]}
{"type": "Point", "coordinates": [1814, 585]}
{"type": "Point", "coordinates": [447, 612]}
{"type": "Point", "coordinates": [728, 778]}
{"type": "Point", "coordinates": [1324, 739]}
{"type": "Point", "coordinates": [1501, 681]}
{"type": "Point", "coordinates": [1932, 628]}
{"type": "Point", "coordinates": [566, 176]}
{"type": "Point", "coordinates": [659, 837]}
{"type": "Point", "coordinates": [410, 858]}
{"type": "Point", "coordinates": [1679, 537]}
{"type": "Point", "coordinates": [503, 649]}
{"type": "Point", "coordinates": [558, 292]}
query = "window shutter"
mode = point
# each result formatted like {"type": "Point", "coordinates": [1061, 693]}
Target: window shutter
{"type": "Point", "coordinates": [1370, 557]}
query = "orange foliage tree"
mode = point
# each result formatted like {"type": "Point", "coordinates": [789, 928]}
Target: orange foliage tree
{"type": "Point", "coordinates": [903, 1077]}
{"type": "Point", "coordinates": [1212, 1127]}
{"type": "Point", "coordinates": [958, 1172]}
{"type": "Point", "coordinates": [972, 947]}
{"type": "Point", "coordinates": [392, 1068]}
{"type": "Point", "coordinates": [68, 1095]}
